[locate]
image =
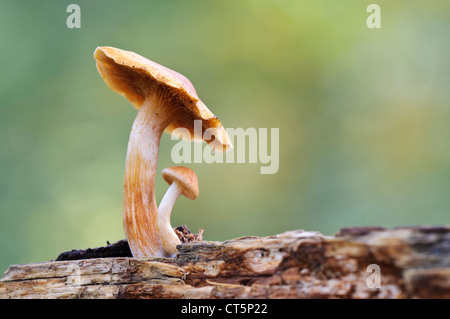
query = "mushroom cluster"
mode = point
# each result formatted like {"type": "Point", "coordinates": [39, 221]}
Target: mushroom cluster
{"type": "Point", "coordinates": [165, 100]}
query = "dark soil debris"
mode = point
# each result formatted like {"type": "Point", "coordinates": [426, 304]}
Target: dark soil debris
{"type": "Point", "coordinates": [121, 248]}
{"type": "Point", "coordinates": [117, 249]}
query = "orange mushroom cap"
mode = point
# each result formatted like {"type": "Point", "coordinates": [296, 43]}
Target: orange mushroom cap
{"type": "Point", "coordinates": [136, 78]}
{"type": "Point", "coordinates": [185, 177]}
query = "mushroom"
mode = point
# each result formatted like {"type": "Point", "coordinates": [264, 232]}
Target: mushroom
{"type": "Point", "coordinates": [182, 181]}
{"type": "Point", "coordinates": [165, 101]}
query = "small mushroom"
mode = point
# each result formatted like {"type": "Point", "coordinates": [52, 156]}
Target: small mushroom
{"type": "Point", "coordinates": [165, 101]}
{"type": "Point", "coordinates": [182, 181]}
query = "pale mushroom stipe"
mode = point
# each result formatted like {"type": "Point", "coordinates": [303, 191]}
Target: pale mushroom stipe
{"type": "Point", "coordinates": [182, 181]}
{"type": "Point", "coordinates": [165, 100]}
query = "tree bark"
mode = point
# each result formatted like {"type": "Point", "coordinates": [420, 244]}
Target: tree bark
{"type": "Point", "coordinates": [412, 262]}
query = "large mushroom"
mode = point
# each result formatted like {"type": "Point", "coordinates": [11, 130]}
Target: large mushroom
{"type": "Point", "coordinates": [165, 100]}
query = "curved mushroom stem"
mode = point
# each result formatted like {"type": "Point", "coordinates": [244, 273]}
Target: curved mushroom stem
{"type": "Point", "coordinates": [139, 204]}
{"type": "Point", "coordinates": [168, 236]}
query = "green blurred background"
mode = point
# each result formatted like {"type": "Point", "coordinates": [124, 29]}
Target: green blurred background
{"type": "Point", "coordinates": [364, 116]}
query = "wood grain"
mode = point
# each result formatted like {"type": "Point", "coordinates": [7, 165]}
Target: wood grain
{"type": "Point", "coordinates": [414, 262]}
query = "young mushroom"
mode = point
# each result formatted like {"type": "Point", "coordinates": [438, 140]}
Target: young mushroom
{"type": "Point", "coordinates": [165, 101]}
{"type": "Point", "coordinates": [182, 181]}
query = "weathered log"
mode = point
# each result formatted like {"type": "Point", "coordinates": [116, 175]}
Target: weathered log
{"type": "Point", "coordinates": [411, 262]}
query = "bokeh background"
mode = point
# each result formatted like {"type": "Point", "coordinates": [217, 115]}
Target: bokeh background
{"type": "Point", "coordinates": [364, 116]}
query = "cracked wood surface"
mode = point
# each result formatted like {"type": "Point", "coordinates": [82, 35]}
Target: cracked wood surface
{"type": "Point", "coordinates": [414, 262]}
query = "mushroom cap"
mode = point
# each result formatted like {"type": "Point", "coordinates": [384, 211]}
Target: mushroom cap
{"type": "Point", "coordinates": [185, 177]}
{"type": "Point", "coordinates": [136, 77]}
